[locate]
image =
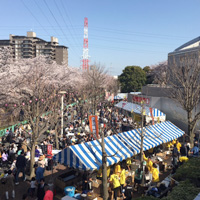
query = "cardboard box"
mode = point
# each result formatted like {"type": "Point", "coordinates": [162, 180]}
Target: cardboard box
{"type": "Point", "coordinates": [95, 184]}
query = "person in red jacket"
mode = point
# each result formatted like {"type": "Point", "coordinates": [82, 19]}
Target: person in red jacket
{"type": "Point", "coordinates": [48, 193]}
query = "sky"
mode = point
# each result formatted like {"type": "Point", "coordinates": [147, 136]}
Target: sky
{"type": "Point", "coordinates": [120, 32]}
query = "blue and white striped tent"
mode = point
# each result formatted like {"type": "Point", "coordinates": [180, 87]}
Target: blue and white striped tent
{"type": "Point", "coordinates": [132, 107]}
{"type": "Point", "coordinates": [88, 156]}
{"type": "Point", "coordinates": [79, 157]}
{"type": "Point", "coordinates": [154, 135]}
{"type": "Point", "coordinates": [120, 96]}
{"type": "Point", "coordinates": [115, 149]}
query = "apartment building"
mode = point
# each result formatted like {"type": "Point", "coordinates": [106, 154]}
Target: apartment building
{"type": "Point", "coordinates": [31, 46]}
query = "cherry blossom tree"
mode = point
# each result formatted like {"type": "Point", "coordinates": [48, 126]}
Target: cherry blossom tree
{"type": "Point", "coordinates": [96, 81]}
{"type": "Point", "coordinates": [33, 85]}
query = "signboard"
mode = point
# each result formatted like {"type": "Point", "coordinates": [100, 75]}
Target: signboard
{"type": "Point", "coordinates": [123, 104]}
{"type": "Point", "coordinates": [94, 125]}
{"type": "Point", "coordinates": [138, 99]}
{"type": "Point", "coordinates": [47, 150]}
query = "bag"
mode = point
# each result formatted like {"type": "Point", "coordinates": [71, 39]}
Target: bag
{"type": "Point", "coordinates": [3, 181]}
{"type": "Point", "coordinates": [147, 177]}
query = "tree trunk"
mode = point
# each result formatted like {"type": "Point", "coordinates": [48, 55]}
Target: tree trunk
{"type": "Point", "coordinates": [190, 128]}
{"type": "Point", "coordinates": [104, 169]}
{"type": "Point", "coordinates": [32, 160]}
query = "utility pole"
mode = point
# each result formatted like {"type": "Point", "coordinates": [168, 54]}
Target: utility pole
{"type": "Point", "coordinates": [142, 141]}
{"type": "Point", "coordinates": [62, 106]}
{"type": "Point", "coordinates": [142, 134]}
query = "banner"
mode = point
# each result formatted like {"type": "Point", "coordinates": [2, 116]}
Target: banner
{"type": "Point", "coordinates": [93, 121]}
{"type": "Point", "coordinates": [151, 111]}
{"type": "Point", "coordinates": [138, 99]}
{"type": "Point", "coordinates": [123, 104]}
{"type": "Point", "coordinates": [49, 150]}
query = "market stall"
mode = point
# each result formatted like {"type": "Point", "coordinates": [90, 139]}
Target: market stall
{"type": "Point", "coordinates": [88, 156]}
{"type": "Point", "coordinates": [150, 113]}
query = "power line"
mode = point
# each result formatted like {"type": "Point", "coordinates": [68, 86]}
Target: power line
{"type": "Point", "coordinates": [125, 49]}
{"type": "Point", "coordinates": [45, 16]}
{"type": "Point", "coordinates": [137, 33]}
{"type": "Point", "coordinates": [57, 23]}
{"type": "Point", "coordinates": [112, 39]}
{"type": "Point", "coordinates": [35, 17]}
{"type": "Point", "coordinates": [65, 21]}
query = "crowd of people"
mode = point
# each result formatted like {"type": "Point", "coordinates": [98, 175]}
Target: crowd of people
{"type": "Point", "coordinates": [15, 145]}
{"type": "Point", "coordinates": [15, 152]}
{"type": "Point", "coordinates": [182, 152]}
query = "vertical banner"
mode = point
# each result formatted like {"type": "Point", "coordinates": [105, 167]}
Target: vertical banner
{"type": "Point", "coordinates": [151, 111]}
{"type": "Point", "coordinates": [123, 104]}
{"type": "Point", "coordinates": [93, 121]}
{"type": "Point", "coordinates": [49, 149]}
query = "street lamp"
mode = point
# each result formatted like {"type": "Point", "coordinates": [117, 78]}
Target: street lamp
{"type": "Point", "coordinates": [62, 99]}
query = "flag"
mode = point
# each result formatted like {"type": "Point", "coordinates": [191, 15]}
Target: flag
{"type": "Point", "coordinates": [93, 122]}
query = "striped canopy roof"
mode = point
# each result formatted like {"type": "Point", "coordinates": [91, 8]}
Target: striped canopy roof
{"type": "Point", "coordinates": [88, 156]}
{"type": "Point", "coordinates": [132, 107]}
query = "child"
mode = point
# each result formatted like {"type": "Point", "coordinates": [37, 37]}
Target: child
{"type": "Point", "coordinates": [31, 190]}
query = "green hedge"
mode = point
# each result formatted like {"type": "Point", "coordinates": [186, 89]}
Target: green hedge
{"type": "Point", "coordinates": [185, 190]}
{"type": "Point", "coordinates": [188, 176]}
{"type": "Point", "coordinates": [189, 171]}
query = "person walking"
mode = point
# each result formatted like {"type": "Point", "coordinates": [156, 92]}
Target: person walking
{"type": "Point", "coordinates": [122, 178]}
{"type": "Point", "coordinates": [138, 178]}
{"type": "Point", "coordinates": [114, 179]}
{"type": "Point", "coordinates": [41, 189]}
{"type": "Point", "coordinates": [9, 185]}
{"type": "Point", "coordinates": [21, 165]}
{"type": "Point", "coordinates": [174, 158]}
{"type": "Point", "coordinates": [127, 191]}
{"type": "Point", "coordinates": [48, 193]}
{"type": "Point", "coordinates": [39, 172]}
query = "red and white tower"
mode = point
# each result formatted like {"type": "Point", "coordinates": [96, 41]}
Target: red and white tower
{"type": "Point", "coordinates": [85, 56]}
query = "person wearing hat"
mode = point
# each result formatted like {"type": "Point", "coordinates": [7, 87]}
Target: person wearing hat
{"type": "Point", "coordinates": [21, 165]}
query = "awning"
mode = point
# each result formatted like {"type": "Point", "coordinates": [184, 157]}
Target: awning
{"type": "Point", "coordinates": [88, 156]}
{"type": "Point", "coordinates": [78, 157]}
{"type": "Point", "coordinates": [115, 149]}
{"type": "Point", "coordinates": [154, 135]}
{"type": "Point", "coordinates": [136, 108]}
{"type": "Point", "coordinates": [120, 96]}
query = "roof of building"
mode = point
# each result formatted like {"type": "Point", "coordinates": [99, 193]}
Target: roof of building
{"type": "Point", "coordinates": [189, 45]}
{"type": "Point", "coordinates": [61, 46]}
{"type": "Point", "coordinates": [4, 42]}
